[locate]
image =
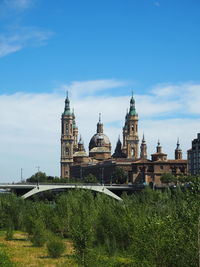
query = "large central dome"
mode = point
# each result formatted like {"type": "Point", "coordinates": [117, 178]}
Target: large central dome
{"type": "Point", "coordinates": [94, 140]}
{"type": "Point", "coordinates": [99, 139]}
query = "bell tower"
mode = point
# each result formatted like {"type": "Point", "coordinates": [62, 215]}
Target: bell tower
{"type": "Point", "coordinates": [178, 151]}
{"type": "Point", "coordinates": [143, 149]}
{"type": "Point", "coordinates": [68, 139]}
{"type": "Point", "coordinates": [130, 132]}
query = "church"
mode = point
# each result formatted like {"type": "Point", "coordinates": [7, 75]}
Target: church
{"type": "Point", "coordinates": [76, 163]}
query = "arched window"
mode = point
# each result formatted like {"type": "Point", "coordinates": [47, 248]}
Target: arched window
{"type": "Point", "coordinates": [67, 129]}
{"type": "Point", "coordinates": [67, 151]}
{"type": "Point", "coordinates": [132, 152]}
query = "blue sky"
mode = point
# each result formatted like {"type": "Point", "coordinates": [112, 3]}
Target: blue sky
{"type": "Point", "coordinates": [100, 51]}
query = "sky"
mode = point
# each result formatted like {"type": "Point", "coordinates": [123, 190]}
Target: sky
{"type": "Point", "coordinates": [99, 51]}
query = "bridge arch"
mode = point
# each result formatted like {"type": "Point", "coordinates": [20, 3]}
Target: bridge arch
{"type": "Point", "coordinates": [42, 188]}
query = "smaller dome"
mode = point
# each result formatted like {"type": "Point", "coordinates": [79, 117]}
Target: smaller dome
{"type": "Point", "coordinates": [67, 113]}
{"type": "Point", "coordinates": [80, 154]}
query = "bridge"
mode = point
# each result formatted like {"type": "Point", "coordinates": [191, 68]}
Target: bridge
{"type": "Point", "coordinates": [28, 190]}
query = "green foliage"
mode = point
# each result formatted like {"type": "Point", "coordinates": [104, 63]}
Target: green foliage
{"type": "Point", "coordinates": [83, 221]}
{"type": "Point", "coordinates": [39, 236]}
{"type": "Point", "coordinates": [55, 247]}
{"type": "Point", "coordinates": [4, 259]}
{"type": "Point", "coordinates": [151, 228]}
{"type": "Point", "coordinates": [119, 176]}
{"type": "Point", "coordinates": [9, 233]}
{"type": "Point", "coordinates": [37, 177]}
{"type": "Point", "coordinates": [90, 179]}
{"type": "Point", "coordinates": [167, 178]}
{"type": "Point", "coordinates": [41, 177]}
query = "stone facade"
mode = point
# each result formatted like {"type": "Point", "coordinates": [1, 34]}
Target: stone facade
{"type": "Point", "coordinates": [75, 163]}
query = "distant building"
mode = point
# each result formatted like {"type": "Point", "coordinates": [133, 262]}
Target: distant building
{"type": "Point", "coordinates": [75, 162]}
{"type": "Point", "coordinates": [194, 157]}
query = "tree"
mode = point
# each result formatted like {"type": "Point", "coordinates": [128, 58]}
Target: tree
{"type": "Point", "coordinates": [90, 179]}
{"type": "Point", "coordinates": [119, 176]}
{"type": "Point", "coordinates": [167, 178]}
{"type": "Point", "coordinates": [55, 247]}
{"type": "Point", "coordinates": [37, 177]}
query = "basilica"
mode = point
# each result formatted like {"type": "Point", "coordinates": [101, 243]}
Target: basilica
{"type": "Point", "coordinates": [76, 163]}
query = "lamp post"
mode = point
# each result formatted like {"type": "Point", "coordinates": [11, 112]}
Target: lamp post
{"type": "Point", "coordinates": [38, 168]}
{"type": "Point", "coordinates": [21, 175]}
{"type": "Point", "coordinates": [102, 181]}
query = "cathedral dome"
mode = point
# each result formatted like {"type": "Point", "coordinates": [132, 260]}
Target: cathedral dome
{"type": "Point", "coordinates": [94, 140]}
{"type": "Point", "coordinates": [99, 139]}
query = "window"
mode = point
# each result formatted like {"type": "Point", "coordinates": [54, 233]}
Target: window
{"type": "Point", "coordinates": [132, 152]}
{"type": "Point", "coordinates": [67, 151]}
{"type": "Point", "coordinates": [67, 129]}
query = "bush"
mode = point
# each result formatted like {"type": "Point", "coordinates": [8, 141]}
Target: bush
{"type": "Point", "coordinates": [55, 247]}
{"type": "Point", "coordinates": [90, 179]}
{"type": "Point", "coordinates": [5, 260]}
{"type": "Point", "coordinates": [9, 233]}
{"type": "Point", "coordinates": [39, 236]}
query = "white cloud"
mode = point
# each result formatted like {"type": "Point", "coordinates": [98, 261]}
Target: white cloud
{"type": "Point", "coordinates": [19, 4]}
{"type": "Point", "coordinates": [22, 37]}
{"type": "Point", "coordinates": [30, 123]}
{"type": "Point", "coordinates": [157, 3]}
{"type": "Point", "coordinates": [84, 88]}
{"type": "Point", "coordinates": [7, 48]}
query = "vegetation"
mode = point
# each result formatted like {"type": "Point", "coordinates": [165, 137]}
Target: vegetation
{"type": "Point", "coordinates": [41, 177]}
{"type": "Point", "coordinates": [39, 236]}
{"type": "Point", "coordinates": [151, 228]}
{"type": "Point", "coordinates": [90, 179]}
{"type": "Point", "coordinates": [55, 247]}
{"type": "Point", "coordinates": [4, 259]}
{"type": "Point", "coordinates": [23, 254]}
{"type": "Point", "coordinates": [167, 178]}
{"type": "Point", "coordinates": [119, 176]}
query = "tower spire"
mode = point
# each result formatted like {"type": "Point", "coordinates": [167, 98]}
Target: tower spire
{"type": "Point", "coordinates": [143, 149]}
{"type": "Point", "coordinates": [67, 105]}
{"type": "Point", "coordinates": [132, 110]}
{"type": "Point", "coordinates": [178, 143]}
{"type": "Point", "coordinates": [159, 148]}
{"type": "Point", "coordinates": [99, 125]}
{"type": "Point", "coordinates": [178, 151]}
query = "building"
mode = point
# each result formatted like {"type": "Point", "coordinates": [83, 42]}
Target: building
{"type": "Point", "coordinates": [194, 157]}
{"type": "Point", "coordinates": [76, 163]}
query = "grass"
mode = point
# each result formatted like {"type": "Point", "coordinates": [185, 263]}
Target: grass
{"type": "Point", "coordinates": [22, 252]}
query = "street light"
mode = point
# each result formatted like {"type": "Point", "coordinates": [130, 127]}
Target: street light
{"type": "Point", "coordinates": [38, 168]}
{"type": "Point", "coordinates": [21, 175]}
{"type": "Point", "coordinates": [102, 182]}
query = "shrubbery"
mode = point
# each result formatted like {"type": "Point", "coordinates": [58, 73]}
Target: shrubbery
{"type": "Point", "coordinates": [9, 233]}
{"type": "Point", "coordinates": [39, 236]}
{"type": "Point", "coordinates": [151, 228]}
{"type": "Point", "coordinates": [55, 247]}
{"type": "Point", "coordinates": [4, 259]}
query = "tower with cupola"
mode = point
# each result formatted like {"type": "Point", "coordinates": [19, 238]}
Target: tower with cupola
{"type": "Point", "coordinates": [69, 134]}
{"type": "Point", "coordinates": [143, 149]}
{"type": "Point", "coordinates": [130, 132]}
{"type": "Point", "coordinates": [178, 151]}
